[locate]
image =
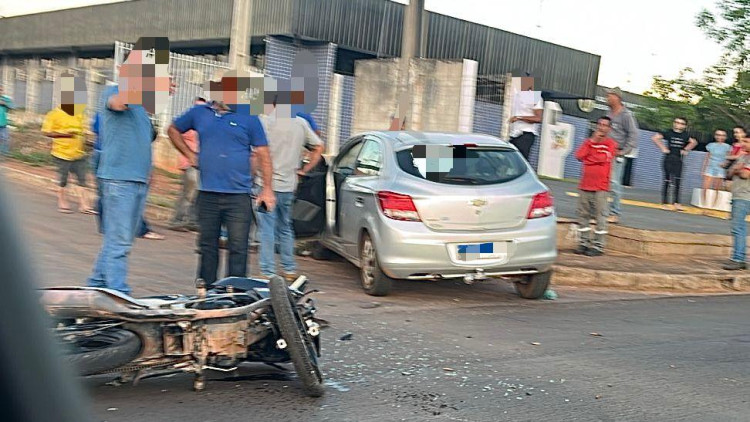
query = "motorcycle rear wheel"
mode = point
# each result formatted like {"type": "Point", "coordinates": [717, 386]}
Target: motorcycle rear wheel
{"type": "Point", "coordinates": [299, 345]}
{"type": "Point", "coordinates": [103, 351]}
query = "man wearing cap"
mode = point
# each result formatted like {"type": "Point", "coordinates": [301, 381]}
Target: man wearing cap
{"type": "Point", "coordinates": [625, 133]}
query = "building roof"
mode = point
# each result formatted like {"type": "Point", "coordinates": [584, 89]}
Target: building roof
{"type": "Point", "coordinates": [370, 27]}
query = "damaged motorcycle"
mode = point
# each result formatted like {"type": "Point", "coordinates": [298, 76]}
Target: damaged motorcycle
{"type": "Point", "coordinates": [236, 320]}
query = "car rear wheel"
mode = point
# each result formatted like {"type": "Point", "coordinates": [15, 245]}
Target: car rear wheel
{"type": "Point", "coordinates": [533, 286]}
{"type": "Point", "coordinates": [374, 281]}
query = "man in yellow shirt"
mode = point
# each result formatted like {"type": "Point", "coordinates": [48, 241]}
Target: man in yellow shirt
{"type": "Point", "coordinates": [65, 125]}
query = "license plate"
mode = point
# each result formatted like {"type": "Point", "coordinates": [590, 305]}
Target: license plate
{"type": "Point", "coordinates": [481, 251]}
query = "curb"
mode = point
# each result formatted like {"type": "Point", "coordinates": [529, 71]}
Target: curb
{"type": "Point", "coordinates": [641, 242]}
{"type": "Point", "coordinates": [717, 282]}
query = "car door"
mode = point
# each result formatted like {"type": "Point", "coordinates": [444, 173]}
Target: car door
{"type": "Point", "coordinates": [343, 167]}
{"type": "Point", "coordinates": [358, 193]}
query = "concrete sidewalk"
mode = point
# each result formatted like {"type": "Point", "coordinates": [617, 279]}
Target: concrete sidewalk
{"type": "Point", "coordinates": [637, 258]}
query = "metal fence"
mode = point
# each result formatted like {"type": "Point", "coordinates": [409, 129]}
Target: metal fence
{"type": "Point", "coordinates": [189, 72]}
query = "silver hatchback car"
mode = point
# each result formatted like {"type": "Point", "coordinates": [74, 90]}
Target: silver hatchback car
{"type": "Point", "coordinates": [423, 206]}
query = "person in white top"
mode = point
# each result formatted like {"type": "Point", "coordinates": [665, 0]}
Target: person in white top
{"type": "Point", "coordinates": [524, 125]}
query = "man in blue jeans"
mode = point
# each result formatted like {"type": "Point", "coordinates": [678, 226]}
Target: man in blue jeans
{"type": "Point", "coordinates": [625, 133]}
{"type": "Point", "coordinates": [144, 229]}
{"type": "Point", "coordinates": [288, 137]}
{"type": "Point", "coordinates": [740, 174]}
{"type": "Point", "coordinates": [126, 134]}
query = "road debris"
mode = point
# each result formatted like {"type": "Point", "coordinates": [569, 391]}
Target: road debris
{"type": "Point", "coordinates": [536, 343]}
{"type": "Point", "coordinates": [595, 334]}
{"type": "Point", "coordinates": [346, 337]}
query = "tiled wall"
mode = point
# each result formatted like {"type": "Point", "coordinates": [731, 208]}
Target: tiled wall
{"type": "Point", "coordinates": [487, 118]}
{"type": "Point", "coordinates": [279, 58]}
{"type": "Point", "coordinates": [347, 108]}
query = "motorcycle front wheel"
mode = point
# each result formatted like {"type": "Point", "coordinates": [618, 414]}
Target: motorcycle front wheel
{"type": "Point", "coordinates": [299, 344]}
{"type": "Point", "coordinates": [103, 351]}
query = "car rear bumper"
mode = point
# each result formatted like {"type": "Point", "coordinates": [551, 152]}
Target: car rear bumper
{"type": "Point", "coordinates": [409, 250]}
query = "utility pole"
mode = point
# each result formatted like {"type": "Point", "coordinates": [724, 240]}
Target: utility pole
{"type": "Point", "coordinates": [411, 46]}
{"type": "Point", "coordinates": [239, 41]}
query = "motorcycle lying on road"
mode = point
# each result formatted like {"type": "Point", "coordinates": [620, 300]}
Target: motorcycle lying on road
{"type": "Point", "coordinates": [236, 320]}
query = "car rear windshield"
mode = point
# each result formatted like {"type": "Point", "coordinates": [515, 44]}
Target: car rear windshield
{"type": "Point", "coordinates": [462, 165]}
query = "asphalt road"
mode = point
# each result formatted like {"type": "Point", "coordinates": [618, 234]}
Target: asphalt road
{"type": "Point", "coordinates": [434, 351]}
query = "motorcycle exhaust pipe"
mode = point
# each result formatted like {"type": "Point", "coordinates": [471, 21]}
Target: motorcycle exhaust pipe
{"type": "Point", "coordinates": [298, 283]}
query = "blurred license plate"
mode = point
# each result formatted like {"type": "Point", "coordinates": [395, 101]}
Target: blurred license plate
{"type": "Point", "coordinates": [477, 251]}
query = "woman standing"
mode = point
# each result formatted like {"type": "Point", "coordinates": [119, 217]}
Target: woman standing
{"type": "Point", "coordinates": [713, 172]}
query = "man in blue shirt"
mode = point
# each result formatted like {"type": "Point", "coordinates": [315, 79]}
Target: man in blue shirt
{"type": "Point", "coordinates": [124, 168]}
{"type": "Point", "coordinates": [5, 104]}
{"type": "Point", "coordinates": [144, 229]}
{"type": "Point", "coordinates": [227, 136]}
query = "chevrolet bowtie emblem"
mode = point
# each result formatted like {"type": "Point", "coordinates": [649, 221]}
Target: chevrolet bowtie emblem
{"type": "Point", "coordinates": [478, 202]}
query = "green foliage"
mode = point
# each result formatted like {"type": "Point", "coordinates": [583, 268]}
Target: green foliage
{"type": "Point", "coordinates": [718, 98]}
{"type": "Point", "coordinates": [730, 28]}
{"type": "Point", "coordinates": [34, 158]}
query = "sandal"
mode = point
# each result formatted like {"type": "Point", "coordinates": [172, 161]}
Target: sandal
{"type": "Point", "coordinates": [65, 210]}
{"type": "Point", "coordinates": [153, 236]}
{"type": "Point", "coordinates": [89, 211]}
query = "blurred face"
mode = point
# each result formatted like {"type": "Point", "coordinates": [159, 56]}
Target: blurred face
{"type": "Point", "coordinates": [746, 144]}
{"type": "Point", "coordinates": [145, 78]}
{"type": "Point", "coordinates": [720, 136]}
{"type": "Point", "coordinates": [603, 126]}
{"type": "Point", "coordinates": [613, 100]}
{"type": "Point", "coordinates": [73, 95]}
{"type": "Point", "coordinates": [679, 125]}
{"type": "Point", "coordinates": [738, 133]}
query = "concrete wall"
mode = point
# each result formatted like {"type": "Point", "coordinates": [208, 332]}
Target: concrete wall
{"type": "Point", "coordinates": [375, 94]}
{"type": "Point", "coordinates": [440, 102]}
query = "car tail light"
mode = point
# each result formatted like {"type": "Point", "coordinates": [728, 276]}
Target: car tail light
{"type": "Point", "coordinates": [543, 205]}
{"type": "Point", "coordinates": [398, 206]}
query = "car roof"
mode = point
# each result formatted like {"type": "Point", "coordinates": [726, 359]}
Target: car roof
{"type": "Point", "coordinates": [401, 139]}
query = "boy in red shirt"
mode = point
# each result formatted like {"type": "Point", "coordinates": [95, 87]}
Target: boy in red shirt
{"type": "Point", "coordinates": [596, 154]}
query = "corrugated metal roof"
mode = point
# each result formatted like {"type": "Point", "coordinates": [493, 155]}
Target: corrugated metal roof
{"type": "Point", "coordinates": [371, 26]}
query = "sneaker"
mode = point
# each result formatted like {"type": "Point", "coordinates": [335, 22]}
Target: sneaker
{"type": "Point", "coordinates": [613, 219]}
{"type": "Point", "coordinates": [734, 266]}
{"type": "Point", "coordinates": [594, 252]}
{"type": "Point", "coordinates": [581, 250]}
{"type": "Point", "coordinates": [667, 207]}
{"type": "Point", "coordinates": [290, 277]}
{"type": "Point", "coordinates": [223, 242]}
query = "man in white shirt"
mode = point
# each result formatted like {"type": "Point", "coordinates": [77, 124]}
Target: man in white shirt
{"type": "Point", "coordinates": [524, 125]}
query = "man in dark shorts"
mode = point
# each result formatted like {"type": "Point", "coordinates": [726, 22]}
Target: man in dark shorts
{"type": "Point", "coordinates": [65, 125]}
{"type": "Point", "coordinates": [675, 144]}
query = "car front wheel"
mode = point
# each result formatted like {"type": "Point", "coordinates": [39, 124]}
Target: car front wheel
{"type": "Point", "coordinates": [533, 286]}
{"type": "Point", "coordinates": [374, 281]}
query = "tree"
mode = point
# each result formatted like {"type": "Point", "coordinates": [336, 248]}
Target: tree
{"type": "Point", "coordinates": [730, 28]}
{"type": "Point", "coordinates": [720, 97]}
